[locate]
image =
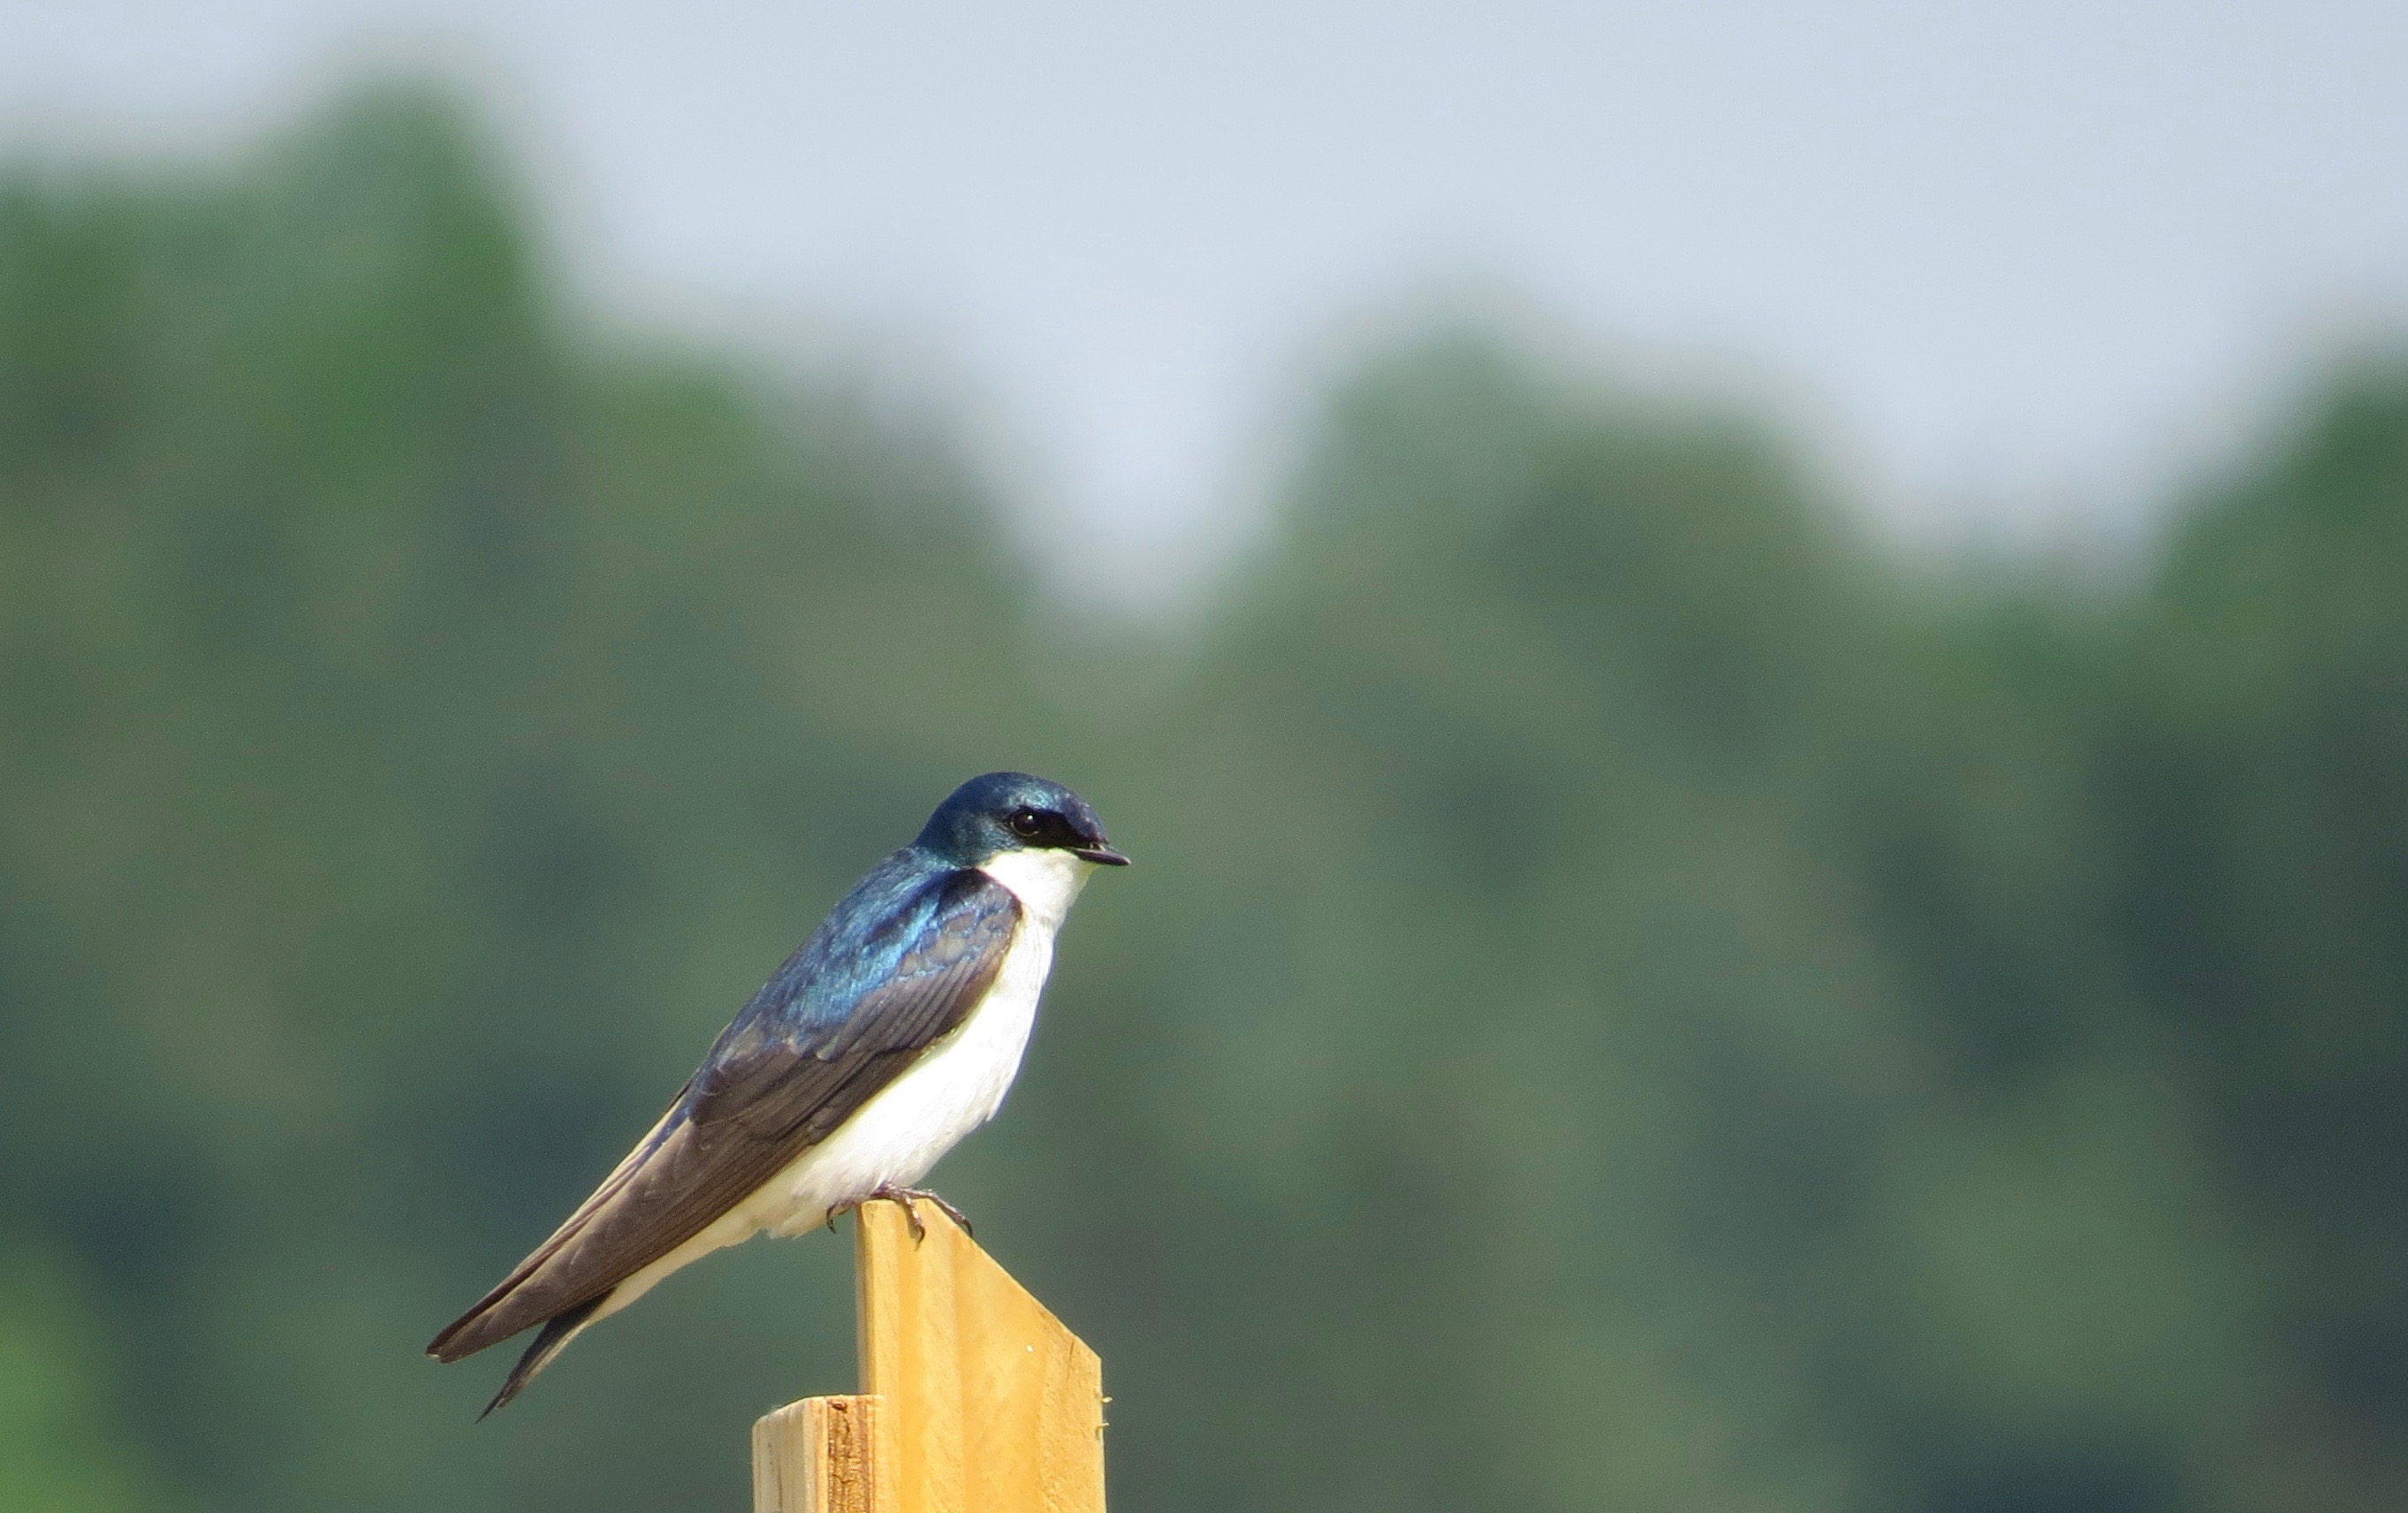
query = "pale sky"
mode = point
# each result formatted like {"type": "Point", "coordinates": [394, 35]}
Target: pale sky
{"type": "Point", "coordinates": [2002, 264]}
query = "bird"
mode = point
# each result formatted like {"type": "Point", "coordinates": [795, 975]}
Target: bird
{"type": "Point", "coordinates": [887, 1036]}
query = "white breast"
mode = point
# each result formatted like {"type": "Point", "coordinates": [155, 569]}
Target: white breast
{"type": "Point", "coordinates": [957, 1083]}
{"type": "Point", "coordinates": [954, 1086]}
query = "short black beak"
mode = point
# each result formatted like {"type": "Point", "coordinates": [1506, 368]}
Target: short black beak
{"type": "Point", "coordinates": [1099, 853]}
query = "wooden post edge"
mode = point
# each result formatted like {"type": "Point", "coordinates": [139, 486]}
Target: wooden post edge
{"type": "Point", "coordinates": [820, 1455]}
{"type": "Point", "coordinates": [991, 1403]}
{"type": "Point", "coordinates": [979, 1400]}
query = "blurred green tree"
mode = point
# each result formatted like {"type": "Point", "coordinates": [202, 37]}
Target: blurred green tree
{"type": "Point", "coordinates": [58, 1452]}
{"type": "Point", "coordinates": [1633, 996]}
{"type": "Point", "coordinates": [416, 723]}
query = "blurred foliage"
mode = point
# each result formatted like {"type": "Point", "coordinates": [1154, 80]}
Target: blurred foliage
{"type": "Point", "coordinates": [1633, 997]}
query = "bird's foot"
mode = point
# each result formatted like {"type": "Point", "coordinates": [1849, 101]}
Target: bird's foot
{"type": "Point", "coordinates": [909, 1196]}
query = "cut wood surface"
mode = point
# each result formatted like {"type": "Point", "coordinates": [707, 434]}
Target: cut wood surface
{"type": "Point", "coordinates": [819, 1456]}
{"type": "Point", "coordinates": [974, 1398]}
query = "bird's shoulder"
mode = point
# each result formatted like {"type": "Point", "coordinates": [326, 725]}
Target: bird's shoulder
{"type": "Point", "coordinates": [913, 919]}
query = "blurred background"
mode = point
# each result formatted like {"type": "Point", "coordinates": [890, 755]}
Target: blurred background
{"type": "Point", "coordinates": [1757, 659]}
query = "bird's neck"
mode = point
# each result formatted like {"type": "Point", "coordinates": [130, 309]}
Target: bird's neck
{"type": "Point", "coordinates": [1045, 882]}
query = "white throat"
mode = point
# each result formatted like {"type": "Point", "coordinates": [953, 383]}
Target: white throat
{"type": "Point", "coordinates": [1045, 882]}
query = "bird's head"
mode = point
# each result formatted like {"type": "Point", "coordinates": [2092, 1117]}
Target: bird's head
{"type": "Point", "coordinates": [1000, 814]}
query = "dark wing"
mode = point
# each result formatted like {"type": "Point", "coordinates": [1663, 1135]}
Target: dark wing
{"type": "Point", "coordinates": [901, 962]}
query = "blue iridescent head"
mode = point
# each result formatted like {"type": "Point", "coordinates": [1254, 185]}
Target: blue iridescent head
{"type": "Point", "coordinates": [1003, 811]}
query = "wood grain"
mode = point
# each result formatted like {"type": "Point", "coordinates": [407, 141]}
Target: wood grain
{"type": "Point", "coordinates": [820, 1456]}
{"type": "Point", "coordinates": [989, 1404]}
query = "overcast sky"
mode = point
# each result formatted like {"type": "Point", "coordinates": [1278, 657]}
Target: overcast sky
{"type": "Point", "coordinates": [2003, 261]}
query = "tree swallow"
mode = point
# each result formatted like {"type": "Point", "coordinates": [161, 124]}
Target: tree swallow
{"type": "Point", "coordinates": [894, 1032]}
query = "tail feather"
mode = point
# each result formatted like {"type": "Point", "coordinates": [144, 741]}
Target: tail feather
{"type": "Point", "coordinates": [557, 1331]}
{"type": "Point", "coordinates": [522, 1301]}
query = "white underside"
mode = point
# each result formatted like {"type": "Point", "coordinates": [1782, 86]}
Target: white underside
{"type": "Point", "coordinates": [954, 1086]}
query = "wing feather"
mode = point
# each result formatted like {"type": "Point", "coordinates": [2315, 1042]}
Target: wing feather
{"type": "Point", "coordinates": [897, 967]}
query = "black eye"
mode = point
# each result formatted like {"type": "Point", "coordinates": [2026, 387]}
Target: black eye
{"type": "Point", "coordinates": [1027, 823]}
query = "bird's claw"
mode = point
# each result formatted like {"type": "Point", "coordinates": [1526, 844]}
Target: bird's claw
{"type": "Point", "coordinates": [908, 1197]}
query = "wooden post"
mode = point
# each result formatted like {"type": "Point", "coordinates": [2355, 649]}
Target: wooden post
{"type": "Point", "coordinates": [820, 1456]}
{"type": "Point", "coordinates": [975, 1399]}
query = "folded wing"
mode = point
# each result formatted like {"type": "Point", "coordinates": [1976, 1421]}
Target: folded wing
{"type": "Point", "coordinates": [898, 965]}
